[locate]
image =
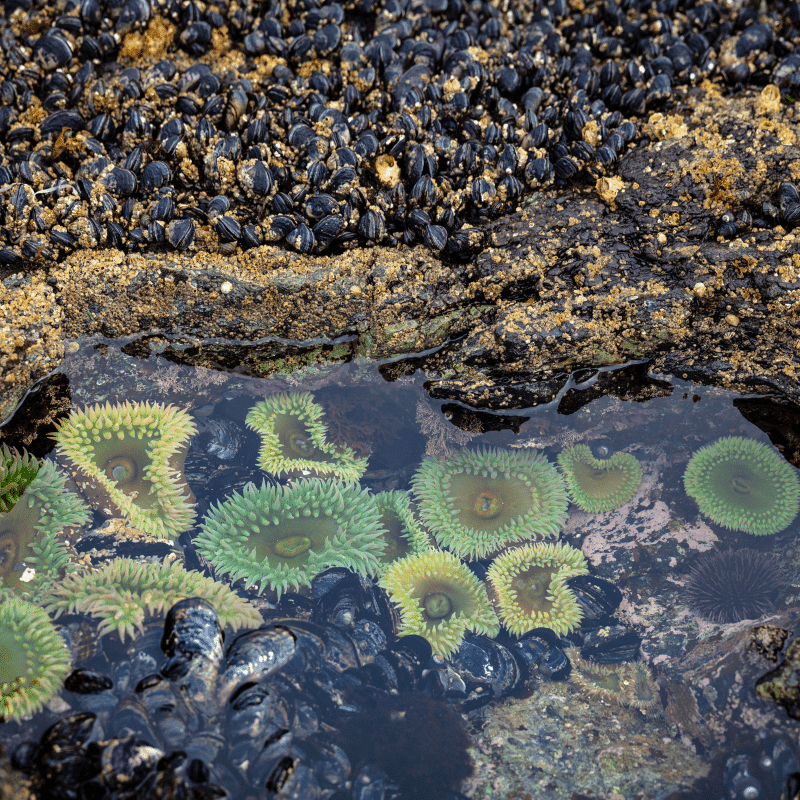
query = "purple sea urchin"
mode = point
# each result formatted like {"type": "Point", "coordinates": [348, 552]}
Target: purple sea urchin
{"type": "Point", "coordinates": [281, 536]}
{"type": "Point", "coordinates": [293, 439]}
{"type": "Point", "coordinates": [33, 659]}
{"type": "Point", "coordinates": [28, 532]}
{"type": "Point", "coordinates": [743, 485]}
{"type": "Point", "coordinates": [479, 501]}
{"type": "Point", "coordinates": [123, 592]}
{"type": "Point", "coordinates": [732, 585]}
{"type": "Point", "coordinates": [128, 461]}
{"type": "Point", "coordinates": [529, 590]}
{"type": "Point", "coordinates": [439, 598]}
{"type": "Point", "coordinates": [598, 485]}
{"type": "Point", "coordinates": [402, 533]}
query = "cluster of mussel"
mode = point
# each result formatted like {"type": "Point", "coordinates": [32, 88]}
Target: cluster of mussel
{"type": "Point", "coordinates": [783, 208]}
{"type": "Point", "coordinates": [275, 713]}
{"type": "Point", "coordinates": [360, 122]}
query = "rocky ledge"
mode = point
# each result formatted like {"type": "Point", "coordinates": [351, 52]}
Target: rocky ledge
{"type": "Point", "coordinates": [633, 268]}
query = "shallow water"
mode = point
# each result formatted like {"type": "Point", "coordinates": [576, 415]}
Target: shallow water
{"type": "Point", "coordinates": [646, 548]}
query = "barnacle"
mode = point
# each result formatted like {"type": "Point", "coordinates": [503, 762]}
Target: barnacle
{"type": "Point", "coordinates": [439, 598]}
{"type": "Point", "coordinates": [17, 470]}
{"type": "Point", "coordinates": [293, 439]}
{"type": "Point", "coordinates": [123, 592]}
{"type": "Point", "coordinates": [281, 536]}
{"type": "Point", "coordinates": [597, 484]}
{"type": "Point", "coordinates": [401, 532]}
{"type": "Point", "coordinates": [33, 659]}
{"type": "Point", "coordinates": [529, 590]}
{"type": "Point", "coordinates": [28, 532]}
{"type": "Point", "coordinates": [478, 501]}
{"type": "Point", "coordinates": [128, 461]}
{"type": "Point", "coordinates": [744, 485]}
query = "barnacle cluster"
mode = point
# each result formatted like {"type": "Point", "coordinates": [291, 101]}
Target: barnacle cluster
{"type": "Point", "coordinates": [744, 485]}
{"type": "Point", "coordinates": [29, 531]}
{"type": "Point", "coordinates": [123, 592]}
{"type": "Point", "coordinates": [293, 439]}
{"type": "Point", "coordinates": [128, 459]}
{"type": "Point", "coordinates": [336, 124]}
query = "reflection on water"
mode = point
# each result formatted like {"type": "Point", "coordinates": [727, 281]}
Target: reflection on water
{"type": "Point", "coordinates": [649, 694]}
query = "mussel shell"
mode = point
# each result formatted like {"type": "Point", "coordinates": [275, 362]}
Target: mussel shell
{"type": "Point", "coordinates": [598, 598]}
{"type": "Point", "coordinates": [254, 655]}
{"type": "Point", "coordinates": [488, 668]}
{"type": "Point", "coordinates": [126, 762]}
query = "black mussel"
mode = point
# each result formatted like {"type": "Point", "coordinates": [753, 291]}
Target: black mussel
{"type": "Point", "coordinates": [301, 238]}
{"type": "Point", "coordinates": [372, 226]}
{"type": "Point", "coordinates": [327, 229]}
{"type": "Point", "coordinates": [180, 233]}
{"type": "Point", "coordinates": [228, 228]}
{"type": "Point", "coordinates": [87, 681]}
{"type": "Point", "coordinates": [279, 227]}
{"type": "Point", "coordinates": [610, 644]}
{"type": "Point", "coordinates": [488, 669]}
{"type": "Point", "coordinates": [541, 651]}
{"type": "Point", "coordinates": [52, 51]}
{"type": "Point", "coordinates": [126, 762]}
{"type": "Point", "coordinates": [597, 597]}
{"type": "Point", "coordinates": [435, 237]}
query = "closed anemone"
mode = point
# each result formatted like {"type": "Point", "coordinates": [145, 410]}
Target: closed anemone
{"type": "Point", "coordinates": [596, 484]}
{"type": "Point", "coordinates": [743, 485]}
{"type": "Point", "coordinates": [293, 439]}
{"type": "Point", "coordinates": [281, 536]}
{"type": "Point", "coordinates": [439, 598]}
{"type": "Point", "coordinates": [479, 501]}
{"type": "Point", "coordinates": [128, 459]}
{"type": "Point", "coordinates": [529, 590]}
{"type": "Point", "coordinates": [33, 659]}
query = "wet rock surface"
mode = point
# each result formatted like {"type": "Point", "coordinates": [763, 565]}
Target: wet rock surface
{"type": "Point", "coordinates": [630, 269]}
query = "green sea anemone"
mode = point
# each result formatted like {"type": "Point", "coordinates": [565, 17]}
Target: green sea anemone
{"type": "Point", "coordinates": [628, 684]}
{"type": "Point", "coordinates": [439, 598]}
{"type": "Point", "coordinates": [529, 589]}
{"type": "Point", "coordinates": [401, 532]}
{"type": "Point", "coordinates": [128, 462]}
{"type": "Point", "coordinates": [596, 484]}
{"type": "Point", "coordinates": [17, 470]}
{"type": "Point", "coordinates": [281, 536]}
{"type": "Point", "coordinates": [478, 501]}
{"type": "Point", "coordinates": [293, 439]}
{"type": "Point", "coordinates": [28, 532]}
{"type": "Point", "coordinates": [743, 485]}
{"type": "Point", "coordinates": [123, 592]}
{"type": "Point", "coordinates": [33, 659]}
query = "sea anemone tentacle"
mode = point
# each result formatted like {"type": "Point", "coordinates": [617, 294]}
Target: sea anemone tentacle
{"type": "Point", "coordinates": [598, 485]}
{"type": "Point", "coordinates": [293, 439]}
{"type": "Point", "coordinates": [127, 460]}
{"type": "Point", "coordinates": [281, 536]}
{"type": "Point", "coordinates": [529, 590]}
{"type": "Point", "coordinates": [743, 485]}
{"type": "Point", "coordinates": [479, 501]}
{"type": "Point", "coordinates": [439, 598]}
